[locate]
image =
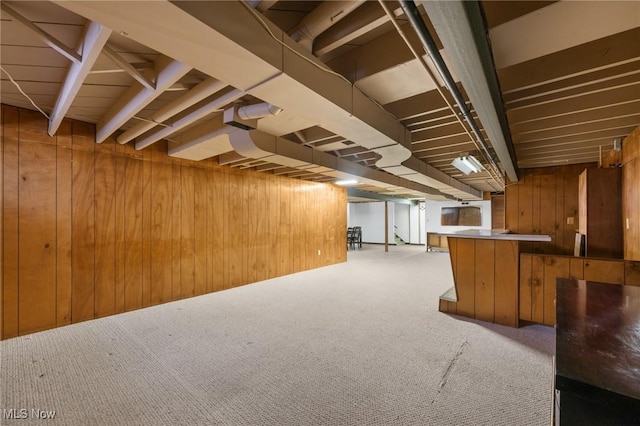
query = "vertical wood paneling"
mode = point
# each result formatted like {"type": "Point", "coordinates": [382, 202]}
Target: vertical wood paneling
{"type": "Point", "coordinates": [545, 201]}
{"type": "Point", "coordinates": [121, 243]}
{"type": "Point", "coordinates": [200, 214]}
{"type": "Point", "coordinates": [630, 209]}
{"type": "Point", "coordinates": [63, 224]}
{"type": "Point", "coordinates": [484, 297]}
{"type": "Point", "coordinates": [234, 233]}
{"type": "Point", "coordinates": [537, 287]}
{"type": "Point", "coordinates": [525, 286]}
{"type": "Point", "coordinates": [161, 232]}
{"type": "Point", "coordinates": [506, 283]}
{"type": "Point", "coordinates": [561, 220]}
{"type": "Point", "coordinates": [631, 195]}
{"type": "Point", "coordinates": [33, 128]}
{"type": "Point", "coordinates": [548, 224]}
{"type": "Point", "coordinates": [1, 220]}
{"type": "Point", "coordinates": [37, 237]}
{"type": "Point", "coordinates": [525, 208]}
{"type": "Point", "coordinates": [176, 287]}
{"type": "Point", "coordinates": [571, 206]}
{"type": "Point", "coordinates": [83, 223]}
{"type": "Point", "coordinates": [465, 273]}
{"type": "Point", "coordinates": [146, 227]}
{"type": "Point", "coordinates": [576, 268]}
{"type": "Point", "coordinates": [285, 226]}
{"type": "Point", "coordinates": [90, 230]}
{"type": "Point", "coordinates": [313, 240]}
{"type": "Point", "coordinates": [10, 221]}
{"type": "Point", "coordinates": [262, 235]}
{"type": "Point", "coordinates": [632, 273]}
{"type": "Point", "coordinates": [105, 211]}
{"type": "Point", "coordinates": [273, 217]}
{"type": "Point", "coordinates": [453, 257]}
{"type": "Point", "coordinates": [512, 207]}
{"type": "Point", "coordinates": [187, 236]}
{"type": "Point", "coordinates": [554, 267]}
{"type": "Point", "coordinates": [536, 202]}
{"type": "Point", "coordinates": [218, 183]}
{"type": "Point", "coordinates": [133, 234]}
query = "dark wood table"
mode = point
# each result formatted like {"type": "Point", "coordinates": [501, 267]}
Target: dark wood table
{"type": "Point", "coordinates": [597, 353]}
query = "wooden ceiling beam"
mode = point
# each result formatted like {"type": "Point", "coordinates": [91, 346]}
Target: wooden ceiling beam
{"type": "Point", "coordinates": [619, 48]}
{"type": "Point", "coordinates": [583, 79]}
{"type": "Point", "coordinates": [587, 89]}
{"type": "Point", "coordinates": [579, 129]}
{"type": "Point", "coordinates": [579, 103]}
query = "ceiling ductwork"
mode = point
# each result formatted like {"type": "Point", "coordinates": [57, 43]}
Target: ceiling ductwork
{"type": "Point", "coordinates": [273, 149]}
{"type": "Point", "coordinates": [321, 19]}
{"type": "Point", "coordinates": [257, 58]}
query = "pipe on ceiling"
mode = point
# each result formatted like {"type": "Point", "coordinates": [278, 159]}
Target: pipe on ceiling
{"type": "Point", "coordinates": [263, 109]}
{"type": "Point", "coordinates": [463, 31]}
{"type": "Point", "coordinates": [274, 149]}
{"type": "Point", "coordinates": [391, 16]}
{"type": "Point", "coordinates": [412, 12]}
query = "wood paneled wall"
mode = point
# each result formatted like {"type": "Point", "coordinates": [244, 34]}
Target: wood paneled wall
{"type": "Point", "coordinates": [538, 275]}
{"type": "Point", "coordinates": [631, 195]}
{"type": "Point", "coordinates": [545, 201]}
{"type": "Point", "coordinates": [91, 230]}
{"type": "Point", "coordinates": [486, 280]}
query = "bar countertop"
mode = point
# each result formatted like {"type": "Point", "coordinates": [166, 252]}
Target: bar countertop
{"type": "Point", "coordinates": [598, 336]}
{"type": "Point", "coordinates": [492, 234]}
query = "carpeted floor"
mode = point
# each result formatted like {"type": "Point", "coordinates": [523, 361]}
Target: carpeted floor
{"type": "Point", "coordinates": [359, 343]}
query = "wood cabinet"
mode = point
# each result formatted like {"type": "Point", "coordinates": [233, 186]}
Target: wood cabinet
{"type": "Point", "coordinates": [600, 212]}
{"type": "Point", "coordinates": [538, 275]}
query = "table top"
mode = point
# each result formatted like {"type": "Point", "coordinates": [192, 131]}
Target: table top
{"type": "Point", "coordinates": [598, 336]}
{"type": "Point", "coordinates": [493, 234]}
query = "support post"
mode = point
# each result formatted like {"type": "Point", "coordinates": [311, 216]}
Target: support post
{"type": "Point", "coordinates": [386, 226]}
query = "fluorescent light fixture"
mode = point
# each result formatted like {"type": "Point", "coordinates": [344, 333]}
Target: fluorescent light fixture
{"type": "Point", "coordinates": [467, 164]}
{"type": "Point", "coordinates": [346, 182]}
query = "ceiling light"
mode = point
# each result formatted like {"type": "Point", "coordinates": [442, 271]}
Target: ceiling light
{"type": "Point", "coordinates": [467, 164]}
{"type": "Point", "coordinates": [346, 182]}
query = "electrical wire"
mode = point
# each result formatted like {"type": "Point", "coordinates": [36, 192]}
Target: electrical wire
{"type": "Point", "coordinates": [22, 91]}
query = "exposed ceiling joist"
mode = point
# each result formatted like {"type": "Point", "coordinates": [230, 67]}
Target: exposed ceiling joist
{"type": "Point", "coordinates": [127, 67]}
{"type": "Point", "coordinates": [167, 72]}
{"type": "Point", "coordinates": [50, 40]}
{"type": "Point", "coordinates": [201, 112]}
{"type": "Point", "coordinates": [200, 92]}
{"type": "Point", "coordinates": [94, 39]}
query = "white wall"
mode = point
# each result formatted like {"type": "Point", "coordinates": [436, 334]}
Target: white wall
{"type": "Point", "coordinates": [414, 220]}
{"type": "Point", "coordinates": [370, 216]}
{"type": "Point", "coordinates": [402, 221]}
{"type": "Point", "coordinates": [432, 215]}
{"type": "Point", "coordinates": [422, 210]}
{"type": "Point", "coordinates": [409, 220]}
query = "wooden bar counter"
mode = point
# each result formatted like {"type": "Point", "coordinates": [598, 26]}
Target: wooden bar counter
{"type": "Point", "coordinates": [485, 268]}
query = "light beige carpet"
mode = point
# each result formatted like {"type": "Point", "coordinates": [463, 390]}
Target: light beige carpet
{"type": "Point", "coordinates": [359, 343]}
